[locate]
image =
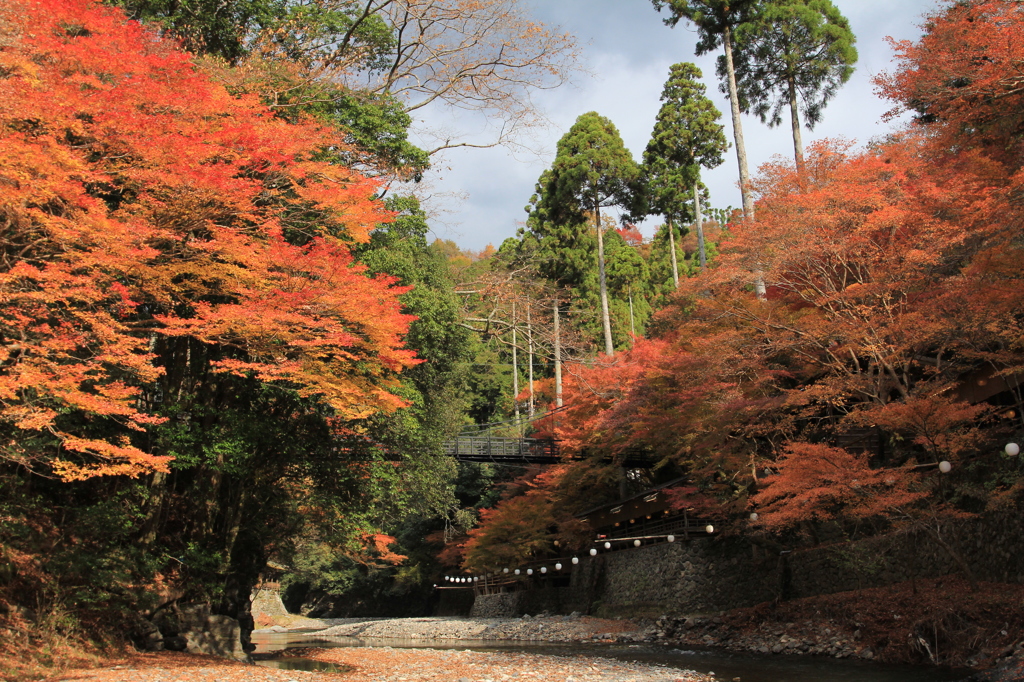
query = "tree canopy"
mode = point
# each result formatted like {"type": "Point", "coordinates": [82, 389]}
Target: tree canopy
{"type": "Point", "coordinates": [592, 170]}
{"type": "Point", "coordinates": [686, 137]}
{"type": "Point", "coordinates": [795, 54]}
{"type": "Point", "coordinates": [150, 215]}
{"type": "Point", "coordinates": [715, 21]}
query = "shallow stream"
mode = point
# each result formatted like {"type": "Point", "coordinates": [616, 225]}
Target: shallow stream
{"type": "Point", "coordinates": [726, 665]}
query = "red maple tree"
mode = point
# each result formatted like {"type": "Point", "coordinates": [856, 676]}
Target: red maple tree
{"type": "Point", "coordinates": [141, 200]}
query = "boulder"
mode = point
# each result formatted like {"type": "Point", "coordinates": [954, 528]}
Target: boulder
{"type": "Point", "coordinates": [193, 628]}
{"type": "Point", "coordinates": [212, 634]}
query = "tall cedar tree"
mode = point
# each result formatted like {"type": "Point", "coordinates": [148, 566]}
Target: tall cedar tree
{"type": "Point", "coordinates": [796, 53]}
{"type": "Point", "coordinates": [715, 21]}
{"type": "Point", "coordinates": [687, 136]}
{"type": "Point", "coordinates": [592, 170]}
{"type": "Point", "coordinates": [896, 295]}
{"type": "Point", "coordinates": [562, 249]}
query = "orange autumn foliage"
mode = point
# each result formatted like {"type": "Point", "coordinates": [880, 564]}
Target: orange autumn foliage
{"type": "Point", "coordinates": [891, 277]}
{"type": "Point", "coordinates": [821, 483]}
{"type": "Point", "coordinates": [141, 199]}
{"type": "Point", "coordinates": [537, 513]}
{"type": "Point", "coordinates": [380, 545]}
{"type": "Point", "coordinates": [963, 77]}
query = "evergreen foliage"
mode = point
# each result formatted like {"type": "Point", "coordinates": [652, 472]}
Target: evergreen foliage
{"type": "Point", "coordinates": [592, 170]}
{"type": "Point", "coordinates": [796, 54]}
{"type": "Point", "coordinates": [715, 21]}
{"type": "Point", "coordinates": [687, 136]}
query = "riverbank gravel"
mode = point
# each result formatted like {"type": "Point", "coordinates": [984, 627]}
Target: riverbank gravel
{"type": "Point", "coordinates": [571, 628]}
{"type": "Point", "coordinates": [386, 664]}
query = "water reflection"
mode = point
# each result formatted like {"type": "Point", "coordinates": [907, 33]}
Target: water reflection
{"type": "Point", "coordinates": [307, 664]}
{"type": "Point", "coordinates": [725, 665]}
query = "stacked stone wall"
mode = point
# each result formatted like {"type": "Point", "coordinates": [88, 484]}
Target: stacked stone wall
{"type": "Point", "coordinates": [714, 574]}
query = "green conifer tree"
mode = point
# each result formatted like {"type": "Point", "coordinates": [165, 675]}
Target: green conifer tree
{"type": "Point", "coordinates": [795, 54]}
{"type": "Point", "coordinates": [687, 136]}
{"type": "Point", "coordinates": [715, 21]}
{"type": "Point", "coordinates": [592, 170]}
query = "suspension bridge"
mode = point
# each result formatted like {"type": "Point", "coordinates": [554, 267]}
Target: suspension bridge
{"type": "Point", "coordinates": [497, 443]}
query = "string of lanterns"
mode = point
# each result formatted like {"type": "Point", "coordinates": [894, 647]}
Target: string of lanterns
{"type": "Point", "coordinates": [558, 565]}
{"type": "Point", "coordinates": [1010, 450]}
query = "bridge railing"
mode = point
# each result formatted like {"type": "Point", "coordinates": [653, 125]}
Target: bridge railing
{"type": "Point", "coordinates": [488, 448]}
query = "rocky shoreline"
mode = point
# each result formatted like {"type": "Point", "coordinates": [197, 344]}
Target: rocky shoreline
{"type": "Point", "coordinates": [824, 639]}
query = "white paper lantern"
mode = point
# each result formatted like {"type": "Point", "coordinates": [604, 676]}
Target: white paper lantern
{"type": "Point", "coordinates": [558, 567]}
{"type": "Point", "coordinates": [671, 538]}
{"type": "Point", "coordinates": [1012, 449]}
{"type": "Point", "coordinates": [593, 552]}
{"type": "Point", "coordinates": [709, 528]}
{"type": "Point", "coordinates": [517, 571]}
{"type": "Point", "coordinates": [945, 467]}
{"type": "Point", "coordinates": [543, 569]}
{"type": "Point", "coordinates": [529, 571]}
{"type": "Point", "coordinates": [636, 543]}
{"type": "Point", "coordinates": [504, 570]}
{"type": "Point", "coordinates": [575, 560]}
{"type": "Point", "coordinates": [753, 516]}
{"type": "Point", "coordinates": [607, 545]}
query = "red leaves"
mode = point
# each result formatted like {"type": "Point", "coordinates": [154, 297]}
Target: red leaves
{"type": "Point", "coordinates": [894, 284]}
{"type": "Point", "coordinates": [510, 534]}
{"type": "Point", "coordinates": [821, 483]}
{"type": "Point", "coordinates": [134, 191]}
{"type": "Point", "coordinates": [964, 75]}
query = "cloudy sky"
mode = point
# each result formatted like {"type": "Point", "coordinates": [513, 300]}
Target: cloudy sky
{"type": "Point", "coordinates": [628, 50]}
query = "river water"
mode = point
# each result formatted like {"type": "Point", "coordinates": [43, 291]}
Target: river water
{"type": "Point", "coordinates": [726, 665]}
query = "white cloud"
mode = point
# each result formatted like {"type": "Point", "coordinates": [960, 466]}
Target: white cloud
{"type": "Point", "coordinates": [629, 50]}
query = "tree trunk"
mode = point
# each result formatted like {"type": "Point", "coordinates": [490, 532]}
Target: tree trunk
{"type": "Point", "coordinates": [672, 248]}
{"type": "Point", "coordinates": [699, 223]}
{"type": "Point", "coordinates": [158, 489]}
{"type": "Point", "coordinates": [606, 319]}
{"type": "Point", "coordinates": [794, 116]}
{"type": "Point", "coordinates": [529, 336]}
{"type": "Point", "coordinates": [741, 151]}
{"type": "Point", "coordinates": [632, 323]}
{"type": "Point", "coordinates": [737, 127]}
{"type": "Point", "coordinates": [558, 360]}
{"type": "Point", "coordinates": [515, 367]}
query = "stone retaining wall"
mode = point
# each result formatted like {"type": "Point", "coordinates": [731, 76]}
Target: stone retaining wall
{"type": "Point", "coordinates": [682, 577]}
{"type": "Point", "coordinates": [499, 605]}
{"type": "Point", "coordinates": [454, 603]}
{"type": "Point", "coordinates": [714, 574]}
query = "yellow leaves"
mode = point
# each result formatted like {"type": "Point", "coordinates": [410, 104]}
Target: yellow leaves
{"type": "Point", "coordinates": [29, 418]}
{"type": "Point", "coordinates": [114, 460]}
